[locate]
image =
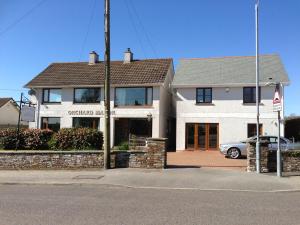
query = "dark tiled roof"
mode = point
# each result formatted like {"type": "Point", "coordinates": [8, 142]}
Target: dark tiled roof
{"type": "Point", "coordinates": [3, 101]}
{"type": "Point", "coordinates": [150, 71]}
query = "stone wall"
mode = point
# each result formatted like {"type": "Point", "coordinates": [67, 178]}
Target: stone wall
{"type": "Point", "coordinates": [153, 156]}
{"type": "Point", "coordinates": [291, 161]}
{"type": "Point", "coordinates": [251, 157]}
{"type": "Point", "coordinates": [50, 159]}
{"type": "Point", "coordinates": [268, 159]}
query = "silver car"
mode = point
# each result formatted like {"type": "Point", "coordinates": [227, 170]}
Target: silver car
{"type": "Point", "coordinates": [236, 150]}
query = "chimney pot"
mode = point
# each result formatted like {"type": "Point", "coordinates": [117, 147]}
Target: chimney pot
{"type": "Point", "coordinates": [94, 58]}
{"type": "Point", "coordinates": [128, 56]}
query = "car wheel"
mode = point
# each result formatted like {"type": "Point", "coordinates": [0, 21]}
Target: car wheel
{"type": "Point", "coordinates": [234, 153]}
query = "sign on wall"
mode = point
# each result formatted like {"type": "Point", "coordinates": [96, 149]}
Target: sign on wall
{"type": "Point", "coordinates": [28, 113]}
{"type": "Point", "coordinates": [277, 101]}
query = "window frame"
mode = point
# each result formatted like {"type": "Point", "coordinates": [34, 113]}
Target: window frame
{"type": "Point", "coordinates": [47, 117]}
{"type": "Point", "coordinates": [203, 93]}
{"type": "Point", "coordinates": [92, 118]}
{"type": "Point", "coordinates": [254, 124]}
{"type": "Point", "coordinates": [146, 96]}
{"type": "Point", "coordinates": [49, 102]}
{"type": "Point", "coordinates": [75, 102]}
{"type": "Point", "coordinates": [253, 93]}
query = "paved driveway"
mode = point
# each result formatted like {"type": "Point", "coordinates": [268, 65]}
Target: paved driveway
{"type": "Point", "coordinates": [204, 159]}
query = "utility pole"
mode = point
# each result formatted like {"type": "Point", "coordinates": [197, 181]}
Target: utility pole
{"type": "Point", "coordinates": [19, 121]}
{"type": "Point", "coordinates": [107, 85]}
{"type": "Point", "coordinates": [257, 91]}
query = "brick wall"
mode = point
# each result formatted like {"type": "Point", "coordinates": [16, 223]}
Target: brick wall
{"type": "Point", "coordinates": [153, 156]}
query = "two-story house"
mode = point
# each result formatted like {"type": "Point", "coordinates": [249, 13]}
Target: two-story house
{"type": "Point", "coordinates": [72, 95]}
{"type": "Point", "coordinates": [215, 100]}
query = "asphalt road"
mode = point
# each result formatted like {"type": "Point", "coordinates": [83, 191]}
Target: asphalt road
{"type": "Point", "coordinates": [87, 204]}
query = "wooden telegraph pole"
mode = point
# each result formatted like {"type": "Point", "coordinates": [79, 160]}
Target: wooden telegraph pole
{"type": "Point", "coordinates": [107, 85]}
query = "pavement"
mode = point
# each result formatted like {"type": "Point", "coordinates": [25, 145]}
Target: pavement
{"type": "Point", "coordinates": [209, 179]}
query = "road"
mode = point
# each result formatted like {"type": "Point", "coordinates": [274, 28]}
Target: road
{"type": "Point", "coordinates": [103, 204]}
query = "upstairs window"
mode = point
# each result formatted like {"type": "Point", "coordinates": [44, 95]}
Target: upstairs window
{"type": "Point", "coordinates": [203, 95]}
{"type": "Point", "coordinates": [137, 96]}
{"type": "Point", "coordinates": [86, 95]}
{"type": "Point", "coordinates": [249, 94]}
{"type": "Point", "coordinates": [51, 95]}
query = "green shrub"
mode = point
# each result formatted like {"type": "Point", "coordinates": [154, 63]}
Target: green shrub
{"type": "Point", "coordinates": [123, 146]}
{"type": "Point", "coordinates": [76, 139]}
{"type": "Point", "coordinates": [29, 139]}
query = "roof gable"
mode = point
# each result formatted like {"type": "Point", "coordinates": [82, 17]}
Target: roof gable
{"type": "Point", "coordinates": [3, 101]}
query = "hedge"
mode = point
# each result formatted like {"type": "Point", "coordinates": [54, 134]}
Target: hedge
{"type": "Point", "coordinates": [64, 139]}
{"type": "Point", "coordinates": [29, 139]}
{"type": "Point", "coordinates": [77, 138]}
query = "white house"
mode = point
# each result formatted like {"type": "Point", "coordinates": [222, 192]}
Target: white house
{"type": "Point", "coordinates": [215, 100]}
{"type": "Point", "coordinates": [9, 112]}
{"type": "Point", "coordinates": [72, 95]}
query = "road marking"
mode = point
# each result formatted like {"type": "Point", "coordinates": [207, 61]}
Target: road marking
{"type": "Point", "coordinates": [157, 188]}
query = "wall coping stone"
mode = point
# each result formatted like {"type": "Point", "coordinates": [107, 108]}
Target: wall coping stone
{"type": "Point", "coordinates": [157, 139]}
{"type": "Point", "coordinates": [254, 142]}
{"type": "Point", "coordinates": [50, 152]}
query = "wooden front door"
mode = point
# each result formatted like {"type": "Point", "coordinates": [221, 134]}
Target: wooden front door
{"type": "Point", "coordinates": [203, 136]}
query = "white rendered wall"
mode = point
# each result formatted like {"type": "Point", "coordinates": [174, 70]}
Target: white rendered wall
{"type": "Point", "coordinates": [228, 110]}
{"type": "Point", "coordinates": [165, 103]}
{"type": "Point", "coordinates": [61, 110]}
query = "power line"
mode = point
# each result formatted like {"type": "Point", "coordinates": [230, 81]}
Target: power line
{"type": "Point", "coordinates": [12, 89]}
{"type": "Point", "coordinates": [88, 29]}
{"type": "Point", "coordinates": [16, 22]}
{"type": "Point", "coordinates": [143, 28]}
{"type": "Point", "coordinates": [134, 27]}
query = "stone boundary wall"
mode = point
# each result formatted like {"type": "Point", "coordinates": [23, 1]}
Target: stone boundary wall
{"type": "Point", "coordinates": [153, 156]}
{"type": "Point", "coordinates": [290, 159]}
{"type": "Point", "coordinates": [50, 159]}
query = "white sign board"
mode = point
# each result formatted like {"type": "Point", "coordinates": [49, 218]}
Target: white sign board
{"type": "Point", "coordinates": [277, 103]}
{"type": "Point", "coordinates": [28, 113]}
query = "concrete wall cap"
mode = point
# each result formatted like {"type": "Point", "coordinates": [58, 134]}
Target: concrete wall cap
{"type": "Point", "coordinates": [51, 152]}
{"type": "Point", "coordinates": [157, 139]}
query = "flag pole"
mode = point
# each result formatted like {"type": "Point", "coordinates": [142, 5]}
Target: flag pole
{"type": "Point", "coordinates": [257, 89]}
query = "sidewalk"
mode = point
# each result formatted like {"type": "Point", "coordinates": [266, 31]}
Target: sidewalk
{"type": "Point", "coordinates": [180, 178]}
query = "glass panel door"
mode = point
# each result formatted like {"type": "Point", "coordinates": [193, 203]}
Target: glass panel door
{"type": "Point", "coordinates": [190, 135]}
{"type": "Point", "coordinates": [201, 136]}
{"type": "Point", "coordinates": [213, 136]}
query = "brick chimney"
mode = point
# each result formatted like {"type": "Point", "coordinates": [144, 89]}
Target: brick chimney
{"type": "Point", "coordinates": [94, 58]}
{"type": "Point", "coordinates": [128, 56]}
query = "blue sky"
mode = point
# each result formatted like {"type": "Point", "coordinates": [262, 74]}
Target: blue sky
{"type": "Point", "coordinates": [67, 30]}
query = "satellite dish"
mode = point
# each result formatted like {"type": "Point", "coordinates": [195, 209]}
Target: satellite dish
{"type": "Point", "coordinates": [31, 92]}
